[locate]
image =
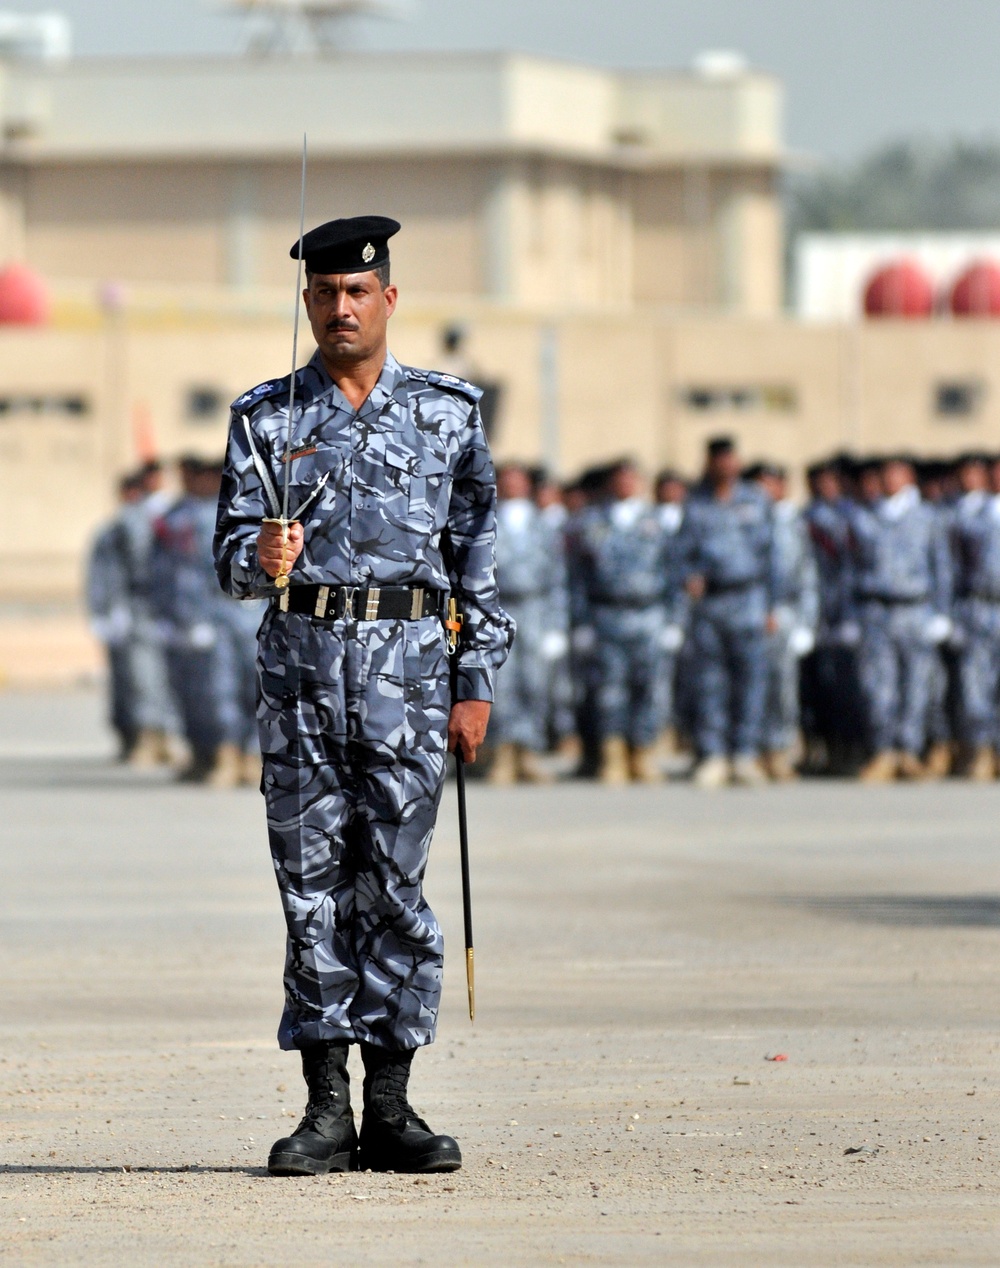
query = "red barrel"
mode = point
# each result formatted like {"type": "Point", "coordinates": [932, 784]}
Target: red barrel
{"type": "Point", "coordinates": [977, 291]}
{"type": "Point", "coordinates": [900, 289]}
{"type": "Point", "coordinates": [24, 298]}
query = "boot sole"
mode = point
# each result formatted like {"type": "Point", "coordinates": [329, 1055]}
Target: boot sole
{"type": "Point", "coordinates": [443, 1160]}
{"type": "Point", "coordinates": [299, 1165]}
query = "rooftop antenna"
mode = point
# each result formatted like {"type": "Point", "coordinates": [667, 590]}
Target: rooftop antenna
{"type": "Point", "coordinates": [306, 26]}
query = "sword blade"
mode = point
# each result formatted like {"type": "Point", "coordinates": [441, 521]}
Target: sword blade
{"type": "Point", "coordinates": [295, 330]}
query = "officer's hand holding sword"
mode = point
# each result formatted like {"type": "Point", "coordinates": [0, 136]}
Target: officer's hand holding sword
{"type": "Point", "coordinates": [276, 552]}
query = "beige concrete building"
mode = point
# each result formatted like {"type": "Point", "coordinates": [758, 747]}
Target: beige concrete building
{"type": "Point", "coordinates": [525, 181]}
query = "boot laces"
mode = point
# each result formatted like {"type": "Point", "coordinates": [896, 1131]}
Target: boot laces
{"type": "Point", "coordinates": [389, 1092]}
{"type": "Point", "coordinates": [319, 1115]}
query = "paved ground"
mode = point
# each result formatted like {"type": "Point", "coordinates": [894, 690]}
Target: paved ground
{"type": "Point", "coordinates": [640, 956]}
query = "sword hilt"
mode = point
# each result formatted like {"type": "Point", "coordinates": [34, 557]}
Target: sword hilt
{"type": "Point", "coordinates": [281, 580]}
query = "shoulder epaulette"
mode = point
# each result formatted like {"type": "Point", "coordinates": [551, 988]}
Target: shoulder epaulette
{"type": "Point", "coordinates": [449, 382]}
{"type": "Point", "coordinates": [273, 387]}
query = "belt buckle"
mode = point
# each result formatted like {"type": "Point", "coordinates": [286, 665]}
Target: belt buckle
{"type": "Point", "coordinates": [350, 594]}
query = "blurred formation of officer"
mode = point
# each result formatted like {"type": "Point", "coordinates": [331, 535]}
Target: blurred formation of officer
{"type": "Point", "coordinates": [670, 494]}
{"type": "Point", "coordinates": [621, 577]}
{"type": "Point", "coordinates": [363, 687]}
{"type": "Point", "coordinates": [833, 720]}
{"type": "Point", "coordinates": [796, 617]}
{"type": "Point", "coordinates": [901, 581]}
{"type": "Point", "coordinates": [210, 640]}
{"type": "Point", "coordinates": [938, 489]}
{"type": "Point", "coordinates": [108, 605]}
{"type": "Point", "coordinates": [531, 574]}
{"type": "Point", "coordinates": [727, 549]}
{"type": "Point", "coordinates": [975, 526]}
{"type": "Point", "coordinates": [550, 499]}
{"type": "Point", "coordinates": [885, 630]}
{"type": "Point", "coordinates": [118, 588]}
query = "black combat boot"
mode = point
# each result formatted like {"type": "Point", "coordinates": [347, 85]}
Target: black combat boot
{"type": "Point", "coordinates": [393, 1138]}
{"type": "Point", "coordinates": [325, 1140]}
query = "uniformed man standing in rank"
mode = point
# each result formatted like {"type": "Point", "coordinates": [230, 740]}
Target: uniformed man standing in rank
{"type": "Point", "coordinates": [728, 559]}
{"type": "Point", "coordinates": [393, 492]}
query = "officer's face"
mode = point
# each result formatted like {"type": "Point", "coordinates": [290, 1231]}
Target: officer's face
{"type": "Point", "coordinates": [897, 476]}
{"type": "Point", "coordinates": [626, 483]}
{"type": "Point", "coordinates": [973, 477]}
{"type": "Point", "coordinates": [513, 483]}
{"type": "Point", "coordinates": [826, 486]}
{"type": "Point", "coordinates": [349, 313]}
{"type": "Point", "coordinates": [724, 466]}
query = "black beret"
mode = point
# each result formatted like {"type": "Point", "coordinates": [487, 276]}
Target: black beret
{"type": "Point", "coordinates": [357, 244]}
{"type": "Point", "coordinates": [719, 445]}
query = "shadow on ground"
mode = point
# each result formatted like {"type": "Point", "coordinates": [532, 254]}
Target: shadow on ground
{"type": "Point", "coordinates": [970, 911]}
{"type": "Point", "coordinates": [53, 1169]}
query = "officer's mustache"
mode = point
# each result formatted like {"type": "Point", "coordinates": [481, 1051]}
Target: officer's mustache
{"type": "Point", "coordinates": [331, 326]}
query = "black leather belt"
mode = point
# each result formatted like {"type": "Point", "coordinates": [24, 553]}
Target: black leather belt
{"type": "Point", "coordinates": [632, 605]}
{"type": "Point", "coordinates": [384, 603]}
{"type": "Point", "coordinates": [893, 600]}
{"type": "Point", "coordinates": [715, 588]}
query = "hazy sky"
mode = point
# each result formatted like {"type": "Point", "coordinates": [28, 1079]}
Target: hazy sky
{"type": "Point", "coordinates": [857, 71]}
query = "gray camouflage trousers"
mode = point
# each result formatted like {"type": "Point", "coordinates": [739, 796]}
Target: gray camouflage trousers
{"type": "Point", "coordinates": [353, 722]}
{"type": "Point", "coordinates": [629, 656]}
{"type": "Point", "coordinates": [979, 670]}
{"type": "Point", "coordinates": [896, 666]}
{"type": "Point", "coordinates": [520, 711]}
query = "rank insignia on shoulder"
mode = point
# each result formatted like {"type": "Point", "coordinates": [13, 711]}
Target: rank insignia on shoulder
{"type": "Point", "coordinates": [259, 392]}
{"type": "Point", "coordinates": [450, 382]}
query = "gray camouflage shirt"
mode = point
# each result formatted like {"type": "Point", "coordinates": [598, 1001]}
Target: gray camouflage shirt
{"type": "Point", "coordinates": [400, 492]}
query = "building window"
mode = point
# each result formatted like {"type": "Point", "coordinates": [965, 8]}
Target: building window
{"type": "Point", "coordinates": [780, 398]}
{"type": "Point", "coordinates": [205, 405]}
{"type": "Point", "coordinates": [53, 407]}
{"type": "Point", "coordinates": [958, 398]}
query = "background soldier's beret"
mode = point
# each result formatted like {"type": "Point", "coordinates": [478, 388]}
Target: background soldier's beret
{"type": "Point", "coordinates": [719, 445]}
{"type": "Point", "coordinates": [357, 244]}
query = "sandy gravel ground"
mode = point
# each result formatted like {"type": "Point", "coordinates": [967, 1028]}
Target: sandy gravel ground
{"type": "Point", "coordinates": [640, 956]}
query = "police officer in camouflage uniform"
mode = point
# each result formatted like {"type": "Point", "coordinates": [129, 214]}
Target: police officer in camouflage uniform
{"type": "Point", "coordinates": [796, 613]}
{"type": "Point", "coordinates": [393, 497]}
{"type": "Point", "coordinates": [727, 549]}
{"type": "Point", "coordinates": [109, 607]}
{"type": "Point", "coordinates": [976, 542]}
{"type": "Point", "coordinates": [531, 572]}
{"type": "Point", "coordinates": [832, 709]}
{"type": "Point", "coordinates": [209, 638]}
{"type": "Point", "coordinates": [620, 580]}
{"type": "Point", "coordinates": [901, 580]}
{"type": "Point", "coordinates": [670, 495]}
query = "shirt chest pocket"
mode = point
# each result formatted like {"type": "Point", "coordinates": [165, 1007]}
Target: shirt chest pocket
{"type": "Point", "coordinates": [315, 477]}
{"type": "Point", "coordinates": [417, 485]}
